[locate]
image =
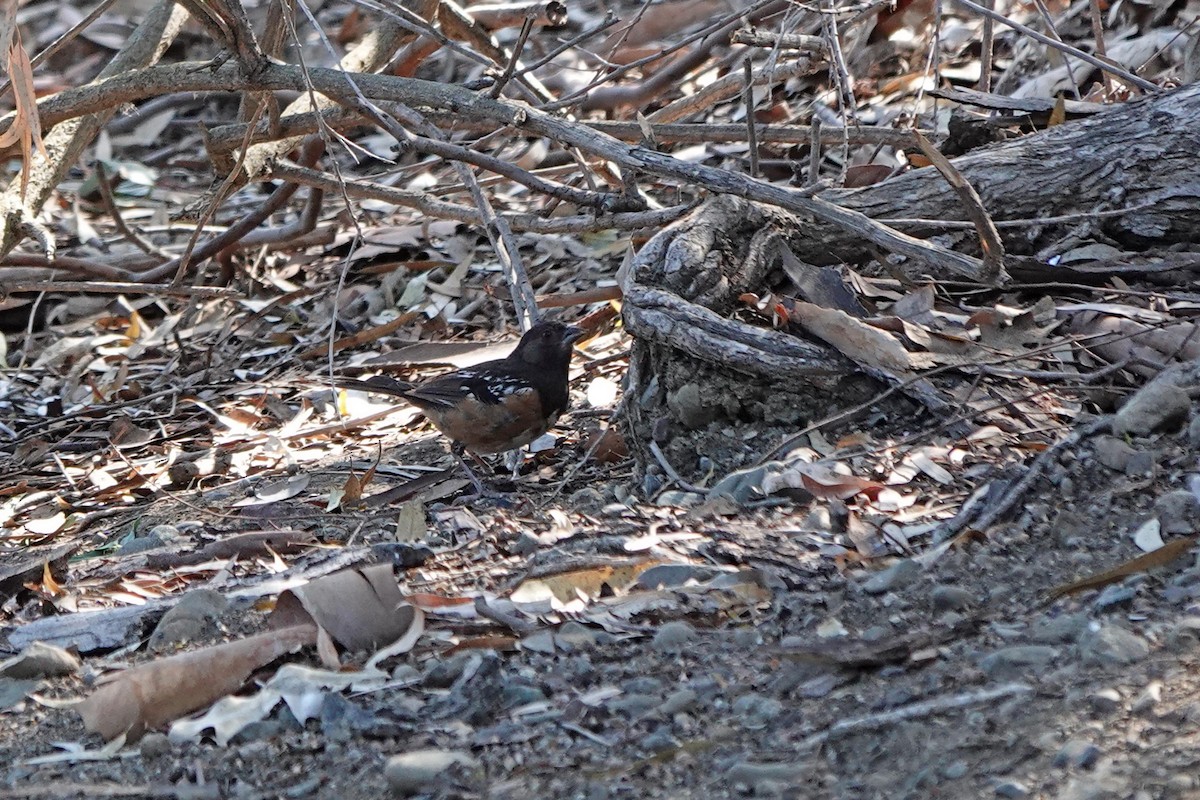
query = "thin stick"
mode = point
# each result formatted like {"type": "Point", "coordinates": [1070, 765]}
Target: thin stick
{"type": "Point", "coordinates": [814, 152]}
{"type": "Point", "coordinates": [121, 287]}
{"type": "Point", "coordinates": [110, 205]}
{"type": "Point", "coordinates": [924, 708]}
{"type": "Point", "coordinates": [838, 64]}
{"type": "Point", "coordinates": [1049, 20]}
{"type": "Point", "coordinates": [987, 45]}
{"type": "Point", "coordinates": [1098, 35]}
{"type": "Point", "coordinates": [748, 100]}
{"type": "Point", "coordinates": [514, 60]}
{"type": "Point", "coordinates": [1123, 74]}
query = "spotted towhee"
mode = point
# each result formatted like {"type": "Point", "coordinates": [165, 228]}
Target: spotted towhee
{"type": "Point", "coordinates": [497, 405]}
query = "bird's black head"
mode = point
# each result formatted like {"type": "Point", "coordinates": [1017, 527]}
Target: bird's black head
{"type": "Point", "coordinates": [547, 344]}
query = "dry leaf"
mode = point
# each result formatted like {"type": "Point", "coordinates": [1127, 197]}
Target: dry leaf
{"type": "Point", "coordinates": [362, 609]}
{"type": "Point", "coordinates": [154, 694]}
{"type": "Point", "coordinates": [1144, 563]}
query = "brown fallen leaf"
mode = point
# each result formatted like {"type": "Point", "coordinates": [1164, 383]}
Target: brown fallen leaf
{"type": "Point", "coordinates": [1161, 557]}
{"type": "Point", "coordinates": [151, 695]}
{"type": "Point", "coordinates": [362, 609]}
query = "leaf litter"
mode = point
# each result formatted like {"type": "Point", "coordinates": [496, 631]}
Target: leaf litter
{"type": "Point", "coordinates": [119, 395]}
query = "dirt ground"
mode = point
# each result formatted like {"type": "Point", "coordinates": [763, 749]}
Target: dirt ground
{"type": "Point", "coordinates": [955, 677]}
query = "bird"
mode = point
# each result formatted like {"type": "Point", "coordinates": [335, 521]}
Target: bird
{"type": "Point", "coordinates": [498, 405]}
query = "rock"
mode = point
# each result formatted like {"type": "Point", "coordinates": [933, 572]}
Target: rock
{"type": "Point", "coordinates": [442, 674]}
{"type": "Point", "coordinates": [14, 692]}
{"type": "Point", "coordinates": [193, 617]}
{"type": "Point", "coordinates": [1147, 699]}
{"type": "Point", "coordinates": [1142, 462]}
{"type": "Point", "coordinates": [674, 498]}
{"type": "Point", "coordinates": [1105, 701]}
{"type": "Point", "coordinates": [1111, 645]}
{"type": "Point", "coordinates": [746, 638]}
{"type": "Point", "coordinates": [419, 770]}
{"type": "Point", "coordinates": [688, 406]}
{"type": "Point", "coordinates": [154, 744]}
{"type": "Point", "coordinates": [1011, 789]}
{"type": "Point", "coordinates": [526, 544]}
{"type": "Point", "coordinates": [1194, 433]}
{"type": "Point", "coordinates": [1183, 636]}
{"type": "Point", "coordinates": [1113, 453]}
{"type": "Point", "coordinates": [1180, 784]}
{"type": "Point", "coordinates": [1058, 630]}
{"type": "Point", "coordinates": [1112, 596]}
{"type": "Point", "coordinates": [574, 635]}
{"type": "Point", "coordinates": [956, 770]}
{"type": "Point", "coordinates": [1177, 511]}
{"type": "Point", "coordinates": [897, 576]}
{"type": "Point", "coordinates": [539, 642]}
{"type": "Point", "coordinates": [587, 500]}
{"type": "Point", "coordinates": [632, 705]}
{"type": "Point", "coordinates": [1078, 754]}
{"type": "Point", "coordinates": [756, 710]}
{"type": "Point", "coordinates": [1016, 660]}
{"type": "Point", "coordinates": [670, 575]}
{"type": "Point", "coordinates": [746, 773]}
{"type": "Point", "coordinates": [1101, 783]}
{"type": "Point", "coordinates": [677, 701]}
{"type": "Point", "coordinates": [643, 685]}
{"type": "Point", "coordinates": [519, 693]}
{"type": "Point", "coordinates": [744, 485]}
{"type": "Point", "coordinates": [673, 636]}
{"type": "Point", "coordinates": [1160, 404]}
{"type": "Point", "coordinates": [951, 598]}
{"type": "Point", "coordinates": [660, 741]}
{"type": "Point", "coordinates": [40, 660]}
{"type": "Point", "coordinates": [818, 519]}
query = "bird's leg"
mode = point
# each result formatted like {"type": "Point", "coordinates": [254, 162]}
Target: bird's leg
{"type": "Point", "coordinates": [514, 459]}
{"type": "Point", "coordinates": [457, 450]}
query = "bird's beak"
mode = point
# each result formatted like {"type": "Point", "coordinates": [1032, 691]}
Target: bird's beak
{"type": "Point", "coordinates": [573, 334]}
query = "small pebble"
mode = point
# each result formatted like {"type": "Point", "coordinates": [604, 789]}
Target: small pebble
{"type": "Point", "coordinates": [677, 701]}
{"type": "Point", "coordinates": [1180, 783]}
{"type": "Point", "coordinates": [951, 598]}
{"type": "Point", "coordinates": [1018, 659]}
{"type": "Point", "coordinates": [576, 635]}
{"type": "Point", "coordinates": [41, 660]}
{"type": "Point", "coordinates": [1113, 453]}
{"type": "Point", "coordinates": [1113, 596]}
{"type": "Point", "coordinates": [632, 705]}
{"type": "Point", "coordinates": [1011, 789]}
{"type": "Point", "coordinates": [660, 741]}
{"type": "Point", "coordinates": [1177, 511]}
{"type": "Point", "coordinates": [1147, 699]}
{"type": "Point", "coordinates": [644, 684]}
{"type": "Point", "coordinates": [1058, 630]}
{"type": "Point", "coordinates": [1141, 463]}
{"type": "Point", "coordinates": [673, 636]}
{"type": "Point", "coordinates": [1105, 701]}
{"type": "Point", "coordinates": [1112, 645]}
{"type": "Point", "coordinates": [526, 544]}
{"type": "Point", "coordinates": [417, 771]}
{"type": "Point", "coordinates": [1077, 753]}
{"type": "Point", "coordinates": [747, 773]}
{"type": "Point", "coordinates": [756, 711]}
{"type": "Point", "coordinates": [1160, 404]}
{"type": "Point", "coordinates": [154, 744]}
{"type": "Point", "coordinates": [897, 576]}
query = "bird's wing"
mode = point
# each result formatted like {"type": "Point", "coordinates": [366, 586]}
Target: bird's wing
{"type": "Point", "coordinates": [376, 383]}
{"type": "Point", "coordinates": [487, 386]}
